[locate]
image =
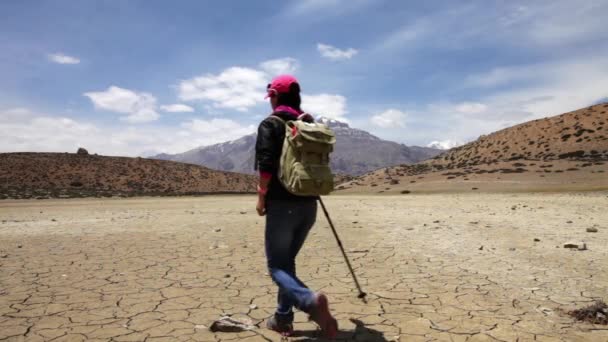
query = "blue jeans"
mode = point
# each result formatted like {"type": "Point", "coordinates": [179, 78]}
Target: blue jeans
{"type": "Point", "coordinates": [287, 225]}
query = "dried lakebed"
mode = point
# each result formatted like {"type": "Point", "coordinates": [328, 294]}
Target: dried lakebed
{"type": "Point", "coordinates": [474, 267]}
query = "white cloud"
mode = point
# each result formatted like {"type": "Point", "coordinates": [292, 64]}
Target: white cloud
{"type": "Point", "coordinates": [327, 105]}
{"type": "Point", "coordinates": [390, 118]}
{"type": "Point", "coordinates": [534, 26]}
{"type": "Point", "coordinates": [403, 36]}
{"type": "Point", "coordinates": [14, 114]}
{"type": "Point", "coordinates": [512, 75]}
{"type": "Point", "coordinates": [553, 88]}
{"type": "Point", "coordinates": [542, 90]}
{"type": "Point", "coordinates": [306, 6]}
{"type": "Point", "coordinates": [471, 108]}
{"type": "Point", "coordinates": [41, 132]}
{"type": "Point", "coordinates": [63, 59]}
{"type": "Point", "coordinates": [141, 107]}
{"type": "Point", "coordinates": [324, 8]}
{"type": "Point", "coordinates": [495, 77]}
{"type": "Point", "coordinates": [335, 54]}
{"type": "Point", "coordinates": [220, 129]}
{"type": "Point", "coordinates": [177, 108]}
{"type": "Point", "coordinates": [565, 22]}
{"type": "Point", "coordinates": [141, 116]}
{"type": "Point", "coordinates": [236, 88]}
{"type": "Point", "coordinates": [280, 66]}
{"type": "Point", "coordinates": [444, 144]}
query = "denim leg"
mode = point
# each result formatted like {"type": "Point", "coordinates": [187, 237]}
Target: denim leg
{"type": "Point", "coordinates": [308, 213]}
{"type": "Point", "coordinates": [284, 224]}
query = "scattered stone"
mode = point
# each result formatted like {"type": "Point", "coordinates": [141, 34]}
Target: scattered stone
{"type": "Point", "coordinates": [227, 276]}
{"type": "Point", "coordinates": [19, 246]}
{"type": "Point", "coordinates": [536, 240]}
{"type": "Point", "coordinates": [474, 188]}
{"type": "Point", "coordinates": [200, 326]}
{"type": "Point", "coordinates": [512, 249]}
{"type": "Point", "coordinates": [481, 248]}
{"type": "Point", "coordinates": [243, 212]}
{"type": "Point", "coordinates": [568, 221]}
{"type": "Point", "coordinates": [53, 220]}
{"type": "Point", "coordinates": [355, 222]}
{"type": "Point", "coordinates": [82, 151]}
{"type": "Point", "coordinates": [229, 324]}
{"type": "Point", "coordinates": [217, 230]}
{"type": "Point", "coordinates": [581, 246]}
{"type": "Point", "coordinates": [253, 306]}
{"type": "Point", "coordinates": [592, 230]}
{"type": "Point", "coordinates": [3, 255]}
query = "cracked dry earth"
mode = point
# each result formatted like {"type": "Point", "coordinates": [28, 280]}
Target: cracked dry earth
{"type": "Point", "coordinates": [436, 268]}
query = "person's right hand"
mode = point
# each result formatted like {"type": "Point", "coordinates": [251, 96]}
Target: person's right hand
{"type": "Point", "coordinates": [261, 206]}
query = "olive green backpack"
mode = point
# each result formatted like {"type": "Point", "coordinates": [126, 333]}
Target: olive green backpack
{"type": "Point", "coordinates": [304, 167]}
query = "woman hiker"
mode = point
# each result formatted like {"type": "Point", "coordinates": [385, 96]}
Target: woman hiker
{"type": "Point", "coordinates": [289, 218]}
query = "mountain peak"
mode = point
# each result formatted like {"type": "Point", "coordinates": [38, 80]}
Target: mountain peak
{"type": "Point", "coordinates": [356, 152]}
{"type": "Point", "coordinates": [332, 123]}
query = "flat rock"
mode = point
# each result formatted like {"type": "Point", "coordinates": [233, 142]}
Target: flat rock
{"type": "Point", "coordinates": [581, 246]}
{"type": "Point", "coordinates": [229, 324]}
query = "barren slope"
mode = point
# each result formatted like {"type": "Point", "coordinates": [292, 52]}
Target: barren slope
{"type": "Point", "coordinates": [564, 152]}
{"type": "Point", "coordinates": [42, 175]}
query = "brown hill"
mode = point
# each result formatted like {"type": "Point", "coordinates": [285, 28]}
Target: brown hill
{"type": "Point", "coordinates": [44, 175]}
{"type": "Point", "coordinates": [564, 152]}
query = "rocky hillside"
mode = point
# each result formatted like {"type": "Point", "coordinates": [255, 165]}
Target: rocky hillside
{"type": "Point", "coordinates": [567, 151]}
{"type": "Point", "coordinates": [582, 134]}
{"type": "Point", "coordinates": [356, 152]}
{"type": "Point", "coordinates": [44, 175]}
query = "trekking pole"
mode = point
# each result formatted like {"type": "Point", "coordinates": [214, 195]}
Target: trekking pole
{"type": "Point", "coordinates": [350, 268]}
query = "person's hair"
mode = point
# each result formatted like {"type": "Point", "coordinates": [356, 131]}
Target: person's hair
{"type": "Point", "coordinates": [292, 98]}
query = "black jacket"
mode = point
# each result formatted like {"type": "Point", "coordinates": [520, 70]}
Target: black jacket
{"type": "Point", "coordinates": [268, 147]}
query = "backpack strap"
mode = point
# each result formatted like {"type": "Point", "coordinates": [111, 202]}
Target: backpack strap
{"type": "Point", "coordinates": [276, 117]}
{"type": "Point", "coordinates": [306, 117]}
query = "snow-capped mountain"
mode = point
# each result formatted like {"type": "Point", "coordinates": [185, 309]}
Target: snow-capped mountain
{"type": "Point", "coordinates": [356, 152]}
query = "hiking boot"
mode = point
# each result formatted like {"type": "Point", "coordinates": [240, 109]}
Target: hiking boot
{"type": "Point", "coordinates": [320, 314]}
{"type": "Point", "coordinates": [283, 324]}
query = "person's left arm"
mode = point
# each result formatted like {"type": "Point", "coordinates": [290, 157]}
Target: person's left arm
{"type": "Point", "coordinates": [267, 157]}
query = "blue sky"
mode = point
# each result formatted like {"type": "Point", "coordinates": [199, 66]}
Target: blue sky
{"type": "Point", "coordinates": [142, 77]}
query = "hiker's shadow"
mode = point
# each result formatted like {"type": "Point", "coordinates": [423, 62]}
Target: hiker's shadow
{"type": "Point", "coordinates": [361, 333]}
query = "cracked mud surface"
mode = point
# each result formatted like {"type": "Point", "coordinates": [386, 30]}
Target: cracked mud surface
{"type": "Point", "coordinates": [164, 268]}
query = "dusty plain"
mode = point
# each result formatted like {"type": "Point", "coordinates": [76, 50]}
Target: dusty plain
{"type": "Point", "coordinates": [437, 267]}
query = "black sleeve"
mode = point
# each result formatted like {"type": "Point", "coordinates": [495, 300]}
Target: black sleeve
{"type": "Point", "coordinates": [267, 147]}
